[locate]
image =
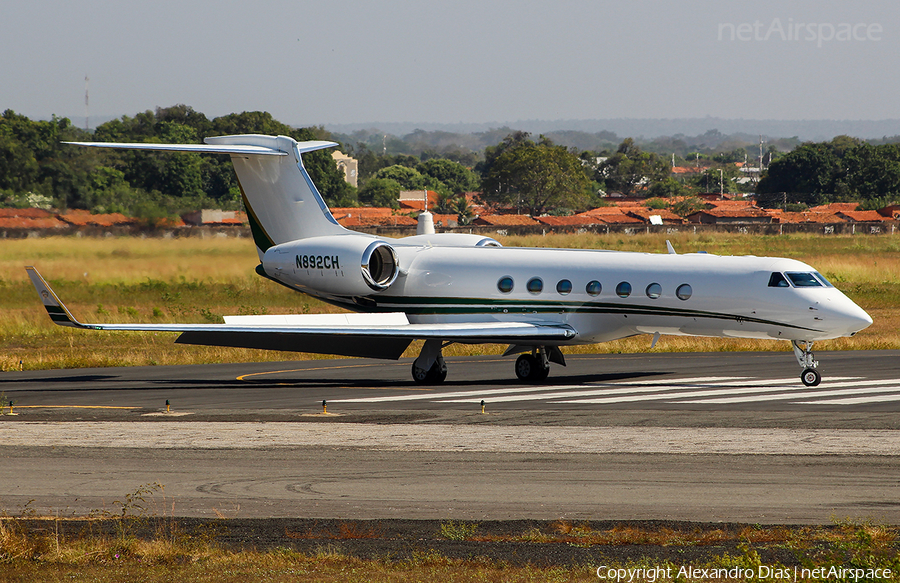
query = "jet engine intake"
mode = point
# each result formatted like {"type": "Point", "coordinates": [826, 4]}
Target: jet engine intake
{"type": "Point", "coordinates": [352, 265]}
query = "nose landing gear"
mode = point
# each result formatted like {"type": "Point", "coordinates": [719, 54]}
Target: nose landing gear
{"type": "Point", "coordinates": [803, 351]}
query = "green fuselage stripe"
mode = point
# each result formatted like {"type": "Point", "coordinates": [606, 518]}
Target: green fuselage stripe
{"type": "Point", "coordinates": [445, 305]}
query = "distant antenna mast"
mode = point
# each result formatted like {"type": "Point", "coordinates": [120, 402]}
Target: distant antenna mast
{"type": "Point", "coordinates": [760, 153]}
{"type": "Point", "coordinates": [87, 110]}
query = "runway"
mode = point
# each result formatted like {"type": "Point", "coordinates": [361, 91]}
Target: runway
{"type": "Point", "coordinates": [853, 382]}
{"type": "Point", "coordinates": [703, 437]}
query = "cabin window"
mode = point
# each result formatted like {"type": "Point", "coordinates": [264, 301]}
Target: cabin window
{"type": "Point", "coordinates": [778, 280]}
{"type": "Point", "coordinates": [535, 285]}
{"type": "Point", "coordinates": [564, 287]}
{"type": "Point", "coordinates": [654, 290]}
{"type": "Point", "coordinates": [623, 290]}
{"type": "Point", "coordinates": [803, 279]}
{"type": "Point", "coordinates": [593, 288]}
{"type": "Point", "coordinates": [821, 278]}
{"type": "Point", "coordinates": [684, 292]}
{"type": "Point", "coordinates": [505, 284]}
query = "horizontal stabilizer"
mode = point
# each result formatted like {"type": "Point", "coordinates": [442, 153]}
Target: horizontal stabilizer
{"type": "Point", "coordinates": [246, 145]}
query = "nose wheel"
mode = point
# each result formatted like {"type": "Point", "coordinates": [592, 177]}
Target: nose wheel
{"type": "Point", "coordinates": [811, 377]}
{"type": "Point", "coordinates": [805, 358]}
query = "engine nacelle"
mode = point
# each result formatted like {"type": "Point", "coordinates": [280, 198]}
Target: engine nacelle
{"type": "Point", "coordinates": [351, 265]}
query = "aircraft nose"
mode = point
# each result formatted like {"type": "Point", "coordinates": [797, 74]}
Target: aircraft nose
{"type": "Point", "coordinates": [852, 318]}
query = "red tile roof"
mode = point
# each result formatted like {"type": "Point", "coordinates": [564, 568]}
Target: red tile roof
{"type": "Point", "coordinates": [836, 206]}
{"type": "Point", "coordinates": [735, 213]}
{"type": "Point", "coordinates": [362, 211]}
{"type": "Point", "coordinates": [27, 223]}
{"type": "Point", "coordinates": [730, 204]}
{"type": "Point", "coordinates": [780, 216]}
{"type": "Point", "coordinates": [377, 221]}
{"type": "Point", "coordinates": [573, 221]}
{"type": "Point", "coordinates": [504, 220]}
{"type": "Point", "coordinates": [862, 216]}
{"type": "Point", "coordinates": [610, 215]}
{"type": "Point", "coordinates": [645, 213]}
{"type": "Point", "coordinates": [82, 218]}
{"type": "Point", "coordinates": [31, 213]}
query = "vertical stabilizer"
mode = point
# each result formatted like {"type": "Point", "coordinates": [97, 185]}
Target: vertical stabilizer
{"type": "Point", "coordinates": [282, 202]}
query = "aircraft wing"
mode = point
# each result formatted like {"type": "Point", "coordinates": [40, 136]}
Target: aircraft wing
{"type": "Point", "coordinates": [362, 335]}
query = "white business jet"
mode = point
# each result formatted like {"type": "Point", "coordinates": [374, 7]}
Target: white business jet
{"type": "Point", "coordinates": [446, 288]}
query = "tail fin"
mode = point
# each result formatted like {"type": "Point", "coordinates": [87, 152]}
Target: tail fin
{"type": "Point", "coordinates": [282, 202]}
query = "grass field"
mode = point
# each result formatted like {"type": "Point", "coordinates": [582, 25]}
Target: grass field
{"type": "Point", "coordinates": [199, 280]}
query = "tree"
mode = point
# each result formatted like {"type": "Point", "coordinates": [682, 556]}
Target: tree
{"type": "Point", "coordinates": [688, 206]}
{"type": "Point", "coordinates": [463, 211]}
{"type": "Point", "coordinates": [456, 177]}
{"type": "Point", "coordinates": [536, 176]}
{"type": "Point", "coordinates": [807, 173]}
{"type": "Point", "coordinates": [383, 192]}
{"type": "Point", "coordinates": [630, 168]}
{"type": "Point", "coordinates": [410, 178]}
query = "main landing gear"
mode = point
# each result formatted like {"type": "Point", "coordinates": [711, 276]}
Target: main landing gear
{"type": "Point", "coordinates": [533, 368]}
{"type": "Point", "coordinates": [803, 351]}
{"type": "Point", "coordinates": [429, 367]}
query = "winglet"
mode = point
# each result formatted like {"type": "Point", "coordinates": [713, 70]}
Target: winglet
{"type": "Point", "coordinates": [669, 248]}
{"type": "Point", "coordinates": [58, 312]}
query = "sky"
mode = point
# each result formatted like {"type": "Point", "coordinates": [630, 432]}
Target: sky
{"type": "Point", "coordinates": [453, 61]}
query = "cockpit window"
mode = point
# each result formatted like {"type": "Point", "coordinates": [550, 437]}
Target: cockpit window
{"type": "Point", "coordinates": [821, 278]}
{"type": "Point", "coordinates": [778, 280]}
{"type": "Point", "coordinates": [802, 279]}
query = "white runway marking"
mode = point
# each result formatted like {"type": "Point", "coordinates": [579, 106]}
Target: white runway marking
{"type": "Point", "coordinates": [801, 395]}
{"type": "Point", "coordinates": [721, 390]}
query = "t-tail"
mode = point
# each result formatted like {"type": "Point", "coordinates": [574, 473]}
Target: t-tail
{"type": "Point", "coordinates": [281, 200]}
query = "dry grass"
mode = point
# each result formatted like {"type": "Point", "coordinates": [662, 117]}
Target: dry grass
{"type": "Point", "coordinates": [199, 280]}
{"type": "Point", "coordinates": [45, 555]}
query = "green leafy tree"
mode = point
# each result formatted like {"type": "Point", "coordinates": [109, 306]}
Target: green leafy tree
{"type": "Point", "coordinates": [410, 178]}
{"type": "Point", "coordinates": [463, 209]}
{"type": "Point", "coordinates": [630, 168]}
{"type": "Point", "coordinates": [456, 177]}
{"type": "Point", "coordinates": [809, 173]}
{"type": "Point", "coordinates": [536, 176]}
{"type": "Point", "coordinates": [666, 188]}
{"type": "Point", "coordinates": [688, 206]}
{"type": "Point", "coordinates": [381, 192]}
{"type": "Point", "coordinates": [446, 203]}
{"type": "Point", "coordinates": [33, 159]}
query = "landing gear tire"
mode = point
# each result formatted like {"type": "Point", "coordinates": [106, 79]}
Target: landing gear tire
{"type": "Point", "coordinates": [433, 376]}
{"type": "Point", "coordinates": [529, 369]}
{"type": "Point", "coordinates": [811, 377]}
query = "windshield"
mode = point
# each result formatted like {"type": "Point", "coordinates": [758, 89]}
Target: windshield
{"type": "Point", "coordinates": [802, 279]}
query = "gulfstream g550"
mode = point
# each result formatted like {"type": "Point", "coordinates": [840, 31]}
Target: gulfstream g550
{"type": "Point", "coordinates": [446, 288]}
